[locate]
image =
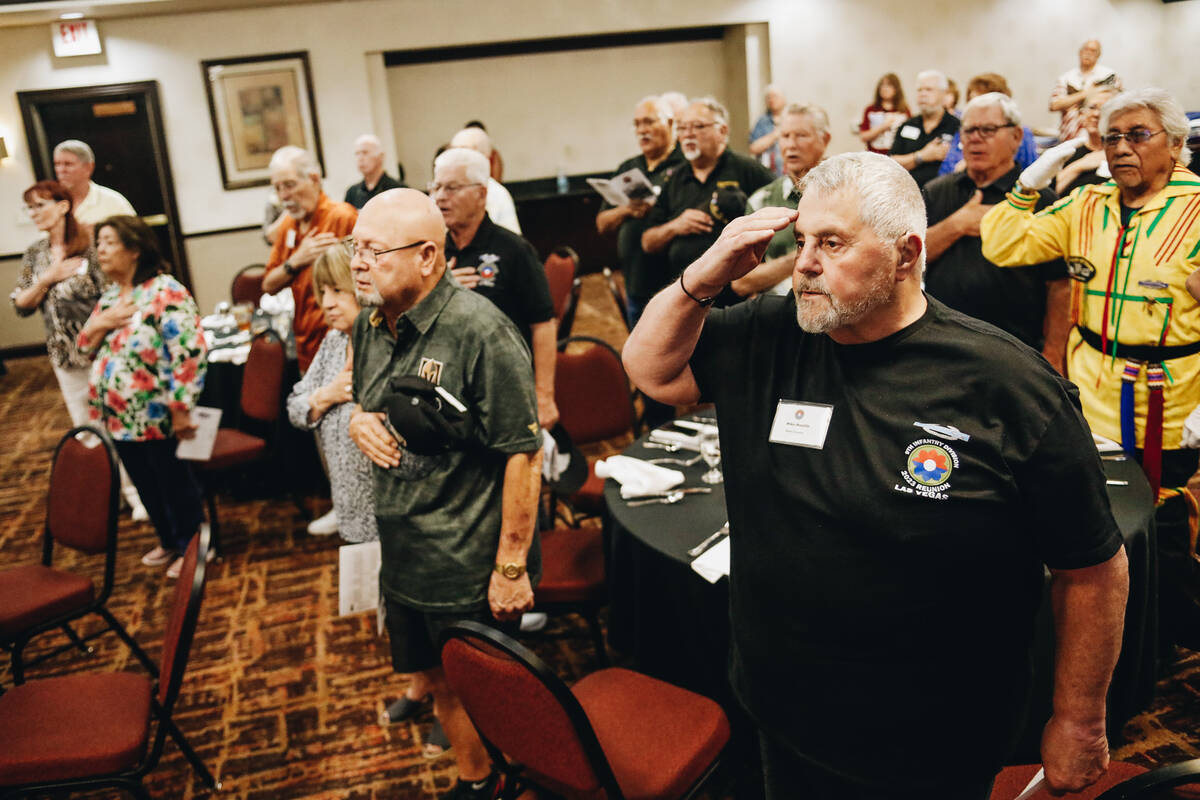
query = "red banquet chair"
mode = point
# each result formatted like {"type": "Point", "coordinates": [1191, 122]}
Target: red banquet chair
{"type": "Point", "coordinates": [261, 403]}
{"type": "Point", "coordinates": [574, 579]}
{"type": "Point", "coordinates": [562, 267]}
{"type": "Point", "coordinates": [81, 514]}
{"type": "Point", "coordinates": [92, 730]}
{"type": "Point", "coordinates": [247, 285]}
{"type": "Point", "coordinates": [595, 404]}
{"type": "Point", "coordinates": [1123, 781]}
{"type": "Point", "coordinates": [614, 734]}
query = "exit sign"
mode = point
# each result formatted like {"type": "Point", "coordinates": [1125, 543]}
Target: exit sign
{"type": "Point", "coordinates": [75, 37]}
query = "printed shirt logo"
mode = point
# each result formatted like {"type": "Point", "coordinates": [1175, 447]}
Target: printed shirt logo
{"type": "Point", "coordinates": [431, 370]}
{"type": "Point", "coordinates": [1080, 269]}
{"type": "Point", "coordinates": [488, 268]}
{"type": "Point", "coordinates": [929, 463]}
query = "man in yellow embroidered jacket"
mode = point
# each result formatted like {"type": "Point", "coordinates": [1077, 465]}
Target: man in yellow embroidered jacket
{"type": "Point", "coordinates": [1130, 246]}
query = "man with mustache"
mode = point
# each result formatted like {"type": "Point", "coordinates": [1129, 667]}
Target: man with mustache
{"type": "Point", "coordinates": [660, 156]}
{"type": "Point", "coordinates": [923, 141]}
{"type": "Point", "coordinates": [314, 223]}
{"type": "Point", "coordinates": [896, 476]}
{"type": "Point", "coordinates": [682, 223]}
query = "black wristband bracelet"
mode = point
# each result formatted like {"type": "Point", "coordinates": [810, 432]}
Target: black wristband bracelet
{"type": "Point", "coordinates": [703, 302]}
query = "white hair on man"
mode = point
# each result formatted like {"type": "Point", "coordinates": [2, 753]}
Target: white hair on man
{"type": "Point", "coordinates": [477, 167]}
{"type": "Point", "coordinates": [1008, 106]}
{"type": "Point", "coordinates": [475, 139]}
{"type": "Point", "coordinates": [1160, 103]}
{"type": "Point", "coordinates": [368, 139]}
{"type": "Point", "coordinates": [814, 112]}
{"type": "Point", "coordinates": [720, 115]}
{"type": "Point", "coordinates": [943, 82]}
{"type": "Point", "coordinates": [297, 158]}
{"type": "Point", "coordinates": [674, 101]}
{"type": "Point", "coordinates": [665, 114]}
{"type": "Point", "coordinates": [889, 201]}
{"type": "Point", "coordinates": [79, 149]}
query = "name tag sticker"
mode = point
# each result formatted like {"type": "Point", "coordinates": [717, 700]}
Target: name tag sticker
{"type": "Point", "coordinates": [290, 239]}
{"type": "Point", "coordinates": [909, 132]}
{"type": "Point", "coordinates": [801, 424]}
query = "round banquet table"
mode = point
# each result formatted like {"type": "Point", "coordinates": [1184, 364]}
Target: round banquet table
{"type": "Point", "coordinates": [675, 625]}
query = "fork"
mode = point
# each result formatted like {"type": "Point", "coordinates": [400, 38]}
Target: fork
{"type": "Point", "coordinates": [683, 462]}
{"type": "Point", "coordinates": [710, 541]}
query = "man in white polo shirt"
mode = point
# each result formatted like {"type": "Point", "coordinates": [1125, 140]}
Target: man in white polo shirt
{"type": "Point", "coordinates": [73, 166]}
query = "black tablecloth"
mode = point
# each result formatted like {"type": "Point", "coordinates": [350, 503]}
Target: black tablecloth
{"type": "Point", "coordinates": [676, 625]}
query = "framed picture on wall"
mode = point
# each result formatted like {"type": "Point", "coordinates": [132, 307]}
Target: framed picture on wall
{"type": "Point", "coordinates": [259, 104]}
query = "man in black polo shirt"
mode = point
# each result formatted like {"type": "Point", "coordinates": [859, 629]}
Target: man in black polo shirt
{"type": "Point", "coordinates": [682, 222]}
{"type": "Point", "coordinates": [896, 476]}
{"type": "Point", "coordinates": [660, 157]}
{"type": "Point", "coordinates": [368, 157]}
{"type": "Point", "coordinates": [1012, 299]}
{"type": "Point", "coordinates": [497, 263]}
{"type": "Point", "coordinates": [923, 141]}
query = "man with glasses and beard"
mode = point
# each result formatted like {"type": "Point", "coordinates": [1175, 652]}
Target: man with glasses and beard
{"type": "Point", "coordinates": [1131, 245]}
{"type": "Point", "coordinates": [896, 476]}
{"type": "Point", "coordinates": [1013, 300]}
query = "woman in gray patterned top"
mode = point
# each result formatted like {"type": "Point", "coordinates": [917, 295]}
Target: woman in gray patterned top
{"type": "Point", "coordinates": [323, 400]}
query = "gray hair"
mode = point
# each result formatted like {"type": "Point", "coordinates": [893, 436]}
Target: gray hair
{"type": "Point", "coordinates": [1162, 104]}
{"type": "Point", "coordinates": [665, 113]}
{"type": "Point", "coordinates": [478, 168]}
{"type": "Point", "coordinates": [674, 101]}
{"type": "Point", "coordinates": [943, 81]}
{"type": "Point", "coordinates": [1007, 105]}
{"type": "Point", "coordinates": [368, 138]}
{"type": "Point", "coordinates": [76, 148]}
{"type": "Point", "coordinates": [889, 201]}
{"type": "Point", "coordinates": [475, 139]}
{"type": "Point", "coordinates": [820, 119]}
{"type": "Point", "coordinates": [719, 113]}
{"type": "Point", "coordinates": [299, 159]}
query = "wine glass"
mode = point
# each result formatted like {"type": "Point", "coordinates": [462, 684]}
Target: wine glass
{"type": "Point", "coordinates": [710, 451]}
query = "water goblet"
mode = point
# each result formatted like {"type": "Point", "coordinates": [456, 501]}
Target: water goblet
{"type": "Point", "coordinates": [710, 451]}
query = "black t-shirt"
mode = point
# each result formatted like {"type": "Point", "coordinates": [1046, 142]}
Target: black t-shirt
{"type": "Point", "coordinates": [911, 137]}
{"type": "Point", "coordinates": [683, 191]}
{"type": "Point", "coordinates": [883, 588]}
{"type": "Point", "coordinates": [645, 273]}
{"type": "Point", "coordinates": [511, 276]}
{"type": "Point", "coordinates": [1011, 298]}
{"type": "Point", "coordinates": [358, 194]}
{"type": "Point", "coordinates": [1084, 178]}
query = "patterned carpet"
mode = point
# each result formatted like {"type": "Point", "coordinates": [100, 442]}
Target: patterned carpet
{"type": "Point", "coordinates": [282, 697]}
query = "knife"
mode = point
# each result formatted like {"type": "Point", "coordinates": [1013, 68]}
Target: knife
{"type": "Point", "coordinates": [690, 490]}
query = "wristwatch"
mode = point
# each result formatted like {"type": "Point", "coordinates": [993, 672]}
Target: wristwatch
{"type": "Point", "coordinates": [289, 269]}
{"type": "Point", "coordinates": [510, 570]}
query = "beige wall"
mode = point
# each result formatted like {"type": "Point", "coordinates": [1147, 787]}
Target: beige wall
{"type": "Point", "coordinates": [826, 52]}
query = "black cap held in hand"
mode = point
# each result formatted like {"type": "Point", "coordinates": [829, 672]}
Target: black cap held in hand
{"type": "Point", "coordinates": [424, 418]}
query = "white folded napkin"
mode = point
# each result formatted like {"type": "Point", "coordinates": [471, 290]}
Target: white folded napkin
{"type": "Point", "coordinates": [638, 477]}
{"type": "Point", "coordinates": [713, 563]}
{"type": "Point", "coordinates": [553, 462]}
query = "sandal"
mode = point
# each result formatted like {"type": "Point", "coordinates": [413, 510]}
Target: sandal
{"type": "Point", "coordinates": [403, 709]}
{"type": "Point", "coordinates": [436, 743]}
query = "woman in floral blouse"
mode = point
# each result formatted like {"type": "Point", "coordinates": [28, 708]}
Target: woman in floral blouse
{"type": "Point", "coordinates": [61, 278]}
{"type": "Point", "coordinates": [147, 373]}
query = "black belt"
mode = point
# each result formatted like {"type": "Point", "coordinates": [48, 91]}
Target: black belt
{"type": "Point", "coordinates": [1155, 354]}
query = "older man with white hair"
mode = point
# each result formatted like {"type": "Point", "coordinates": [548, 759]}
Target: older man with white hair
{"type": "Point", "coordinates": [923, 141]}
{"type": "Point", "coordinates": [764, 136]}
{"type": "Point", "coordinates": [314, 223]}
{"type": "Point", "coordinates": [500, 206]}
{"type": "Point", "coordinates": [368, 159]}
{"type": "Point", "coordinates": [1132, 246]}
{"type": "Point", "coordinates": [74, 163]}
{"type": "Point", "coordinates": [889, 521]}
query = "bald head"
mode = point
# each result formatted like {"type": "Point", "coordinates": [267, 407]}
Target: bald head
{"type": "Point", "coordinates": [408, 223]}
{"type": "Point", "coordinates": [473, 139]}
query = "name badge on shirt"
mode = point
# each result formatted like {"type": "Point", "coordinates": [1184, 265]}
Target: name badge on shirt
{"type": "Point", "coordinates": [801, 424]}
{"type": "Point", "coordinates": [910, 132]}
{"type": "Point", "coordinates": [290, 238]}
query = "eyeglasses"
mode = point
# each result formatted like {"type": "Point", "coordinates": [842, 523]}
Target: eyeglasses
{"type": "Point", "coordinates": [1135, 136]}
{"type": "Point", "coordinates": [693, 127]}
{"type": "Point", "coordinates": [646, 122]}
{"type": "Point", "coordinates": [451, 188]}
{"type": "Point", "coordinates": [984, 131]}
{"type": "Point", "coordinates": [369, 256]}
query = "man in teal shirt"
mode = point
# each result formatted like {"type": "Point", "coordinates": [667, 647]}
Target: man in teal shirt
{"type": "Point", "coordinates": [456, 528]}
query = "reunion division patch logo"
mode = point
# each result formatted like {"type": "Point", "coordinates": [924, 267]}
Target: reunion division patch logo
{"type": "Point", "coordinates": [929, 463]}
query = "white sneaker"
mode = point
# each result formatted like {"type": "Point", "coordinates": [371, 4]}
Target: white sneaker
{"type": "Point", "coordinates": [137, 511]}
{"type": "Point", "coordinates": [324, 526]}
{"type": "Point", "coordinates": [533, 621]}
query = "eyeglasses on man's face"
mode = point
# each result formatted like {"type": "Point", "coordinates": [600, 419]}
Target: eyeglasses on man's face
{"type": "Point", "coordinates": [685, 128]}
{"type": "Point", "coordinates": [1135, 136]}
{"type": "Point", "coordinates": [448, 188]}
{"type": "Point", "coordinates": [984, 131]}
{"type": "Point", "coordinates": [369, 255]}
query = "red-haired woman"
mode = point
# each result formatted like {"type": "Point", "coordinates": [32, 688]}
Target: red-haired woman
{"type": "Point", "coordinates": [881, 119]}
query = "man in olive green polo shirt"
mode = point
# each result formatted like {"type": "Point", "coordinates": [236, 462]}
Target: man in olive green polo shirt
{"type": "Point", "coordinates": [456, 529]}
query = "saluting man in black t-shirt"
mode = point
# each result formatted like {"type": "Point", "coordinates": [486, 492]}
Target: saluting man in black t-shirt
{"type": "Point", "coordinates": [896, 476]}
